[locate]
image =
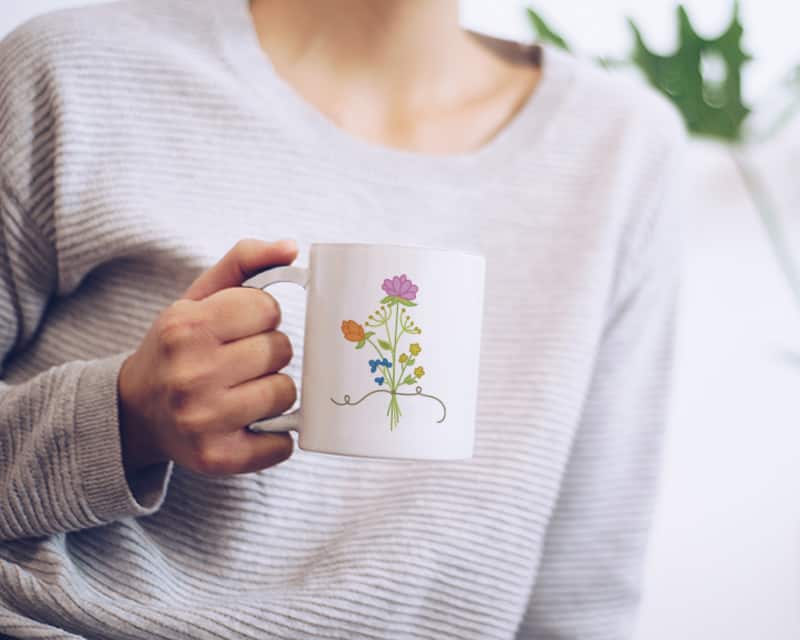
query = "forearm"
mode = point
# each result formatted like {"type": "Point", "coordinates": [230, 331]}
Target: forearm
{"type": "Point", "coordinates": [61, 456]}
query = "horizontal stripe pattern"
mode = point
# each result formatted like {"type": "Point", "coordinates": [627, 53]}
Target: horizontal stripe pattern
{"type": "Point", "coordinates": [139, 140]}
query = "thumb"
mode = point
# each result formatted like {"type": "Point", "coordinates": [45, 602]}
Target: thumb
{"type": "Point", "coordinates": [246, 258]}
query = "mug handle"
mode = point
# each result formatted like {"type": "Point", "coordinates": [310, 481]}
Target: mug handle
{"type": "Point", "coordinates": [296, 275]}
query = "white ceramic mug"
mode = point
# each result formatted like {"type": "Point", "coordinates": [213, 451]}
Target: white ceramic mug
{"type": "Point", "coordinates": [390, 361]}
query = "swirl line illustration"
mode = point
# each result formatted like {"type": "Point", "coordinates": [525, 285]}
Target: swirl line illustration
{"type": "Point", "coordinates": [346, 402]}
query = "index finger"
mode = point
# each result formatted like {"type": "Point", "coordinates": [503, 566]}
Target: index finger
{"type": "Point", "coordinates": [245, 259]}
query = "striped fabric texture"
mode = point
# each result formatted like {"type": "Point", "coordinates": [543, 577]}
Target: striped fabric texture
{"type": "Point", "coordinates": [139, 141]}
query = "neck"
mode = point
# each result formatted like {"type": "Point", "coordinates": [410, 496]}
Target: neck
{"type": "Point", "coordinates": [407, 49]}
{"type": "Point", "coordinates": [401, 73]}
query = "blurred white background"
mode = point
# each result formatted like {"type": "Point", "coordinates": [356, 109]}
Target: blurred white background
{"type": "Point", "coordinates": [724, 560]}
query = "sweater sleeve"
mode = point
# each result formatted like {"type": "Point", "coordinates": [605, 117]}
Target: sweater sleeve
{"type": "Point", "coordinates": [589, 580]}
{"type": "Point", "coordinates": [60, 454]}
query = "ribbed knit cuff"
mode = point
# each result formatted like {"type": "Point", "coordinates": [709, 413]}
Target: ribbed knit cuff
{"type": "Point", "coordinates": [107, 491]}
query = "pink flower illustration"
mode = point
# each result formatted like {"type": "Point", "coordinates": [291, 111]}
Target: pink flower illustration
{"type": "Point", "coordinates": [400, 287]}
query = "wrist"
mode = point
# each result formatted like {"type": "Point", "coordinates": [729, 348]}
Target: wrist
{"type": "Point", "coordinates": [138, 449]}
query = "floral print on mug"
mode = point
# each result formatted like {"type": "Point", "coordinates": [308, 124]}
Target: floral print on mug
{"type": "Point", "coordinates": [394, 369]}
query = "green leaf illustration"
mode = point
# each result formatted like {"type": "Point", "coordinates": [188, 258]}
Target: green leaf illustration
{"type": "Point", "coordinates": [361, 343]}
{"type": "Point", "coordinates": [393, 300]}
{"type": "Point", "coordinates": [368, 335]}
{"type": "Point", "coordinates": [544, 33]}
{"type": "Point", "coordinates": [410, 362]}
{"type": "Point", "coordinates": [385, 345]}
{"type": "Point", "coordinates": [710, 106]}
{"type": "Point", "coordinates": [409, 380]}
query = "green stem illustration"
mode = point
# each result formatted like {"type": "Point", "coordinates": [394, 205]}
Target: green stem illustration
{"type": "Point", "coordinates": [381, 356]}
{"type": "Point", "coordinates": [403, 371]}
{"type": "Point", "coordinates": [397, 380]}
{"type": "Point", "coordinates": [390, 378]}
{"type": "Point", "coordinates": [393, 411]}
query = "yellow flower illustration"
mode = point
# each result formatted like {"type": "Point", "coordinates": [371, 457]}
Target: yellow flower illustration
{"type": "Point", "coordinates": [419, 372]}
{"type": "Point", "coordinates": [415, 348]}
{"type": "Point", "coordinates": [403, 357]}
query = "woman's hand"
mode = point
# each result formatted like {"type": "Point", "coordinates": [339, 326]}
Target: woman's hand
{"type": "Point", "coordinates": [208, 367]}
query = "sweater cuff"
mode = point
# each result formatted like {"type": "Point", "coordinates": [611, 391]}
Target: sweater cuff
{"type": "Point", "coordinates": [109, 493]}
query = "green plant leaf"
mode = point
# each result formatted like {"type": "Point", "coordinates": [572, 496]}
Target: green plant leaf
{"type": "Point", "coordinates": [410, 362]}
{"type": "Point", "coordinates": [406, 303]}
{"type": "Point", "coordinates": [390, 300]}
{"type": "Point", "coordinates": [368, 335]}
{"type": "Point", "coordinates": [544, 33]}
{"type": "Point", "coordinates": [409, 380]}
{"type": "Point", "coordinates": [361, 343]}
{"type": "Point", "coordinates": [709, 106]}
{"type": "Point", "coordinates": [385, 345]}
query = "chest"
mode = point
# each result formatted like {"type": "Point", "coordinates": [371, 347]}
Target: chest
{"type": "Point", "coordinates": [338, 522]}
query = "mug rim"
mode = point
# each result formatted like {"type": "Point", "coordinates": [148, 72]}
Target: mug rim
{"type": "Point", "coordinates": [458, 252]}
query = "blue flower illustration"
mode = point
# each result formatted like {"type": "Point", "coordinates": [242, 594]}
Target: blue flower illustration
{"type": "Point", "coordinates": [379, 380]}
{"type": "Point", "coordinates": [374, 364]}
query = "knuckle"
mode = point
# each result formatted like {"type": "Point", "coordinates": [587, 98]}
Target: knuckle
{"type": "Point", "coordinates": [266, 395]}
{"type": "Point", "coordinates": [284, 392]}
{"type": "Point", "coordinates": [270, 309]}
{"type": "Point", "coordinates": [191, 423]}
{"type": "Point", "coordinates": [246, 246]}
{"type": "Point", "coordinates": [245, 251]}
{"type": "Point", "coordinates": [211, 460]}
{"type": "Point", "coordinates": [177, 402]}
{"type": "Point", "coordinates": [175, 329]}
{"type": "Point", "coordinates": [185, 389]}
{"type": "Point", "coordinates": [280, 448]}
{"type": "Point", "coordinates": [283, 449]}
{"type": "Point", "coordinates": [281, 348]}
{"type": "Point", "coordinates": [180, 391]}
{"type": "Point", "coordinates": [184, 423]}
{"type": "Point", "coordinates": [184, 380]}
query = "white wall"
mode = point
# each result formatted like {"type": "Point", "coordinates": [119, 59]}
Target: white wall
{"type": "Point", "coordinates": [724, 562]}
{"type": "Point", "coordinates": [600, 27]}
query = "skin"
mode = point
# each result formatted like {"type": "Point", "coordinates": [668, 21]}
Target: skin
{"type": "Point", "coordinates": [397, 73]}
{"type": "Point", "coordinates": [206, 368]}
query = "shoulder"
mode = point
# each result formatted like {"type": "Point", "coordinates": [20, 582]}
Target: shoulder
{"type": "Point", "coordinates": [620, 101]}
{"type": "Point", "coordinates": [79, 39]}
{"type": "Point", "coordinates": [57, 30]}
{"type": "Point", "coordinates": [612, 123]}
{"type": "Point", "coordinates": [615, 134]}
{"type": "Point", "coordinates": [611, 114]}
{"type": "Point", "coordinates": [67, 64]}
{"type": "Point", "coordinates": [642, 135]}
{"type": "Point", "coordinates": [97, 57]}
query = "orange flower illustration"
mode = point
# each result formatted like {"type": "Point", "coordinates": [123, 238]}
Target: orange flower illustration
{"type": "Point", "coordinates": [352, 331]}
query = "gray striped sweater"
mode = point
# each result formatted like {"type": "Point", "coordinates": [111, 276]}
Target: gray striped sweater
{"type": "Point", "coordinates": [138, 141]}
